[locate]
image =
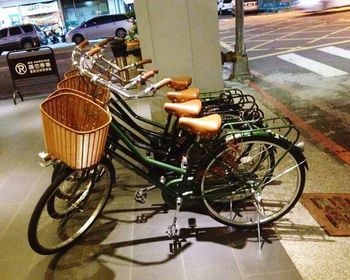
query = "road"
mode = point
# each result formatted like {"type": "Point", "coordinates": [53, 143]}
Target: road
{"type": "Point", "coordinates": [301, 64]}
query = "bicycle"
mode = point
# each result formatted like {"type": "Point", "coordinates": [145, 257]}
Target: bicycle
{"type": "Point", "coordinates": [231, 101]}
{"type": "Point", "coordinates": [236, 180]}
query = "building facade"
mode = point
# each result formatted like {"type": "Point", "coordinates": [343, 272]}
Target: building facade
{"type": "Point", "coordinates": [66, 13]}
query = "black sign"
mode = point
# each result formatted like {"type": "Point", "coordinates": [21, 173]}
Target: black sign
{"type": "Point", "coordinates": [26, 67]}
{"type": "Point", "coordinates": [30, 68]}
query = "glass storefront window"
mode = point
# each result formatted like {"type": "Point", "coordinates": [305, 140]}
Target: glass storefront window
{"type": "Point", "coordinates": [10, 16]}
{"type": "Point", "coordinates": [78, 11]}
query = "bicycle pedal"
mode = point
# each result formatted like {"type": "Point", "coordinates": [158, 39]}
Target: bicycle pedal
{"type": "Point", "coordinates": [140, 200]}
{"type": "Point", "coordinates": [172, 232]}
{"type": "Point", "coordinates": [141, 219]}
{"type": "Point", "coordinates": [140, 196]}
{"type": "Point", "coordinates": [175, 247]}
{"type": "Point", "coordinates": [192, 222]}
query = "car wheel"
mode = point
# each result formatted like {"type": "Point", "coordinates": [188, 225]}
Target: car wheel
{"type": "Point", "coordinates": [27, 45]}
{"type": "Point", "coordinates": [120, 33]}
{"type": "Point", "coordinates": [77, 38]}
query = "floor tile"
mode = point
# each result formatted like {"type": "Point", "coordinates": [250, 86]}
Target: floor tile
{"type": "Point", "coordinates": [8, 212]}
{"type": "Point", "coordinates": [271, 258]}
{"type": "Point", "coordinates": [15, 268]}
{"type": "Point", "coordinates": [128, 241]}
{"type": "Point", "coordinates": [16, 188]}
{"type": "Point", "coordinates": [283, 275]}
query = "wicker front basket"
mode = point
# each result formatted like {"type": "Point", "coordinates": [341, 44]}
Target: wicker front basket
{"type": "Point", "coordinates": [71, 73]}
{"type": "Point", "coordinates": [67, 90]}
{"type": "Point", "coordinates": [75, 129]}
{"type": "Point", "coordinates": [83, 84]}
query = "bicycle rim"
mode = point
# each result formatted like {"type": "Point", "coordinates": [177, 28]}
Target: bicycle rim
{"type": "Point", "coordinates": [267, 166]}
{"type": "Point", "coordinates": [68, 208]}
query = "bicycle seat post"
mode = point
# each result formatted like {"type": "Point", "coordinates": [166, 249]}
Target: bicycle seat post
{"type": "Point", "coordinates": [167, 125]}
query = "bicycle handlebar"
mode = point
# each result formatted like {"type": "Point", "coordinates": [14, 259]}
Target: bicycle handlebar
{"type": "Point", "coordinates": [136, 64]}
{"type": "Point", "coordinates": [94, 51]}
{"type": "Point", "coordinates": [82, 45]}
{"type": "Point", "coordinates": [105, 42]}
{"type": "Point", "coordinates": [141, 78]}
{"type": "Point", "coordinates": [97, 79]}
{"type": "Point", "coordinates": [149, 74]}
{"type": "Point", "coordinates": [143, 61]}
{"type": "Point", "coordinates": [162, 83]}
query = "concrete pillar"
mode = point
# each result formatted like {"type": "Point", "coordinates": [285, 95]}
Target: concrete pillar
{"type": "Point", "coordinates": [182, 38]}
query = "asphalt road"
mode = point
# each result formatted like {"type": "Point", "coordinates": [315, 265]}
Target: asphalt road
{"type": "Point", "coordinates": [301, 63]}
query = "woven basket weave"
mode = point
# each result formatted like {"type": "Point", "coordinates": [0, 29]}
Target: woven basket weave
{"type": "Point", "coordinates": [75, 129]}
{"type": "Point", "coordinates": [82, 84]}
{"type": "Point", "coordinates": [71, 73]}
{"type": "Point", "coordinates": [67, 90]}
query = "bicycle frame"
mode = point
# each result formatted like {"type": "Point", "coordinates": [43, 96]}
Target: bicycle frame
{"type": "Point", "coordinates": [130, 150]}
{"type": "Point", "coordinates": [130, 141]}
{"type": "Point", "coordinates": [127, 152]}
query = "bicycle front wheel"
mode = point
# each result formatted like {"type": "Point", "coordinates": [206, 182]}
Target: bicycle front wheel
{"type": "Point", "coordinates": [68, 207]}
{"type": "Point", "coordinates": [252, 178]}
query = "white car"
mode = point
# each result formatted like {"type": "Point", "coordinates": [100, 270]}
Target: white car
{"type": "Point", "coordinates": [101, 27]}
{"type": "Point", "coordinates": [224, 6]}
{"type": "Point", "coordinates": [318, 5]}
{"type": "Point", "coordinates": [248, 6]}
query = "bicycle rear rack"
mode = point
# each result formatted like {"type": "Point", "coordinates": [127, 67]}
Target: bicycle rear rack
{"type": "Point", "coordinates": [281, 126]}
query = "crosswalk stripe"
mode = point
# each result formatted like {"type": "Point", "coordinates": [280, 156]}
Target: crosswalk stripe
{"type": "Point", "coordinates": [336, 51]}
{"type": "Point", "coordinates": [226, 46]}
{"type": "Point", "coordinates": [312, 65]}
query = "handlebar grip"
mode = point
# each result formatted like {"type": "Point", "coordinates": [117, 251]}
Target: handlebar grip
{"type": "Point", "coordinates": [105, 42]}
{"type": "Point", "coordinates": [162, 83]}
{"type": "Point", "coordinates": [83, 44]}
{"type": "Point", "coordinates": [149, 74]}
{"type": "Point", "coordinates": [144, 61]}
{"type": "Point", "coordinates": [94, 51]}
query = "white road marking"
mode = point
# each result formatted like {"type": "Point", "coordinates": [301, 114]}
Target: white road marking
{"type": "Point", "coordinates": [227, 46]}
{"type": "Point", "coordinates": [312, 65]}
{"type": "Point", "coordinates": [336, 51]}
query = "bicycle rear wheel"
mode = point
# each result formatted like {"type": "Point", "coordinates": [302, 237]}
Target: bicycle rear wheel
{"type": "Point", "coordinates": [251, 179]}
{"type": "Point", "coordinates": [69, 206]}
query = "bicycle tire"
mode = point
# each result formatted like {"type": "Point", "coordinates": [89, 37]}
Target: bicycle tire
{"type": "Point", "coordinates": [232, 206]}
{"type": "Point", "coordinates": [68, 220]}
{"type": "Point", "coordinates": [57, 169]}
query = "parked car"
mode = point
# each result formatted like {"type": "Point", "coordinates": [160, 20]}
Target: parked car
{"type": "Point", "coordinates": [224, 6]}
{"type": "Point", "coordinates": [24, 36]}
{"type": "Point", "coordinates": [249, 6]}
{"type": "Point", "coordinates": [318, 5]}
{"type": "Point", "coordinates": [101, 27]}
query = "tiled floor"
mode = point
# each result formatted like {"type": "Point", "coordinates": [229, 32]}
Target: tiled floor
{"type": "Point", "coordinates": [128, 241]}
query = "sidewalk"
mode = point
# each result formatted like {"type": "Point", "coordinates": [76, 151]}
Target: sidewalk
{"type": "Point", "coordinates": [129, 242]}
{"type": "Point", "coordinates": [315, 254]}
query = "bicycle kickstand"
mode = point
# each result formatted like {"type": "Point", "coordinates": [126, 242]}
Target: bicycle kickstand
{"type": "Point", "coordinates": [260, 211]}
{"type": "Point", "coordinates": [173, 231]}
{"type": "Point", "coordinates": [141, 194]}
